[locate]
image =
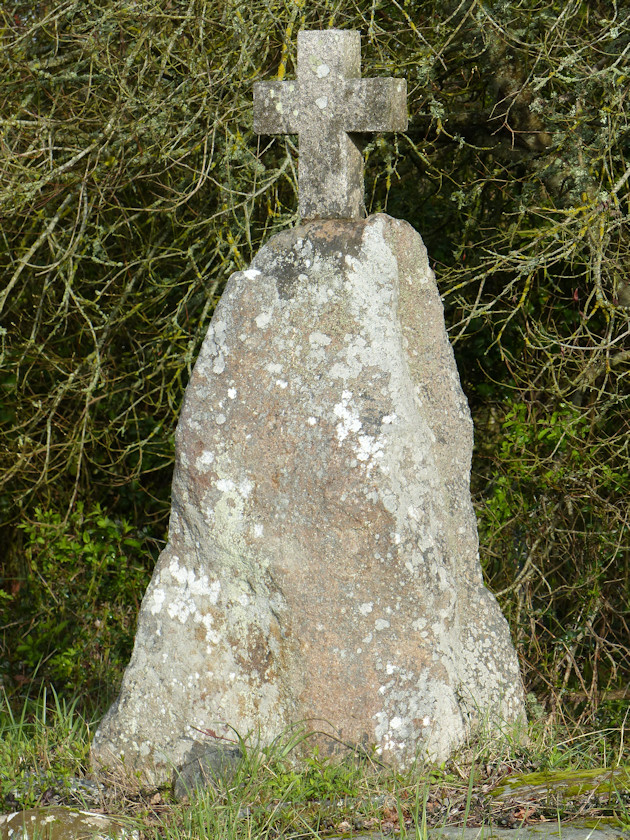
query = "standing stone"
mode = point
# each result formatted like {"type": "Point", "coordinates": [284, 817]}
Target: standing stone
{"type": "Point", "coordinates": [322, 562]}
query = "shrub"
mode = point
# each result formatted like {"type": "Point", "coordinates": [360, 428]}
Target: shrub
{"type": "Point", "coordinates": [132, 185]}
{"type": "Point", "coordinates": [74, 609]}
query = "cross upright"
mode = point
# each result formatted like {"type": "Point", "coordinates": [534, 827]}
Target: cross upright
{"type": "Point", "coordinates": [327, 103]}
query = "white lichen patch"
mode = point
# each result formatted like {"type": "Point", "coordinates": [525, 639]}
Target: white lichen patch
{"type": "Point", "coordinates": [245, 487]}
{"type": "Point", "coordinates": [392, 734]}
{"type": "Point", "coordinates": [349, 418]}
{"type": "Point", "coordinates": [369, 447]}
{"type": "Point", "coordinates": [319, 339]}
{"type": "Point", "coordinates": [156, 601]}
{"type": "Point", "coordinates": [263, 320]}
{"type": "Point", "coordinates": [381, 624]}
{"type": "Point", "coordinates": [251, 273]}
{"type": "Point", "coordinates": [191, 590]}
{"type": "Point", "coordinates": [366, 608]}
{"type": "Point", "coordinates": [211, 635]}
{"type": "Point", "coordinates": [358, 355]}
{"type": "Point", "coordinates": [204, 461]}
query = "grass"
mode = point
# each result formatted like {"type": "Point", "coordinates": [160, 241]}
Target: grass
{"type": "Point", "coordinates": [44, 744]}
{"type": "Point", "coordinates": [44, 750]}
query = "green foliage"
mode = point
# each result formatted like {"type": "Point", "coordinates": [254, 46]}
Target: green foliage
{"type": "Point", "coordinates": [318, 778]}
{"type": "Point", "coordinates": [288, 789]}
{"type": "Point", "coordinates": [284, 787]}
{"type": "Point", "coordinates": [555, 545]}
{"type": "Point", "coordinates": [74, 611]}
{"type": "Point", "coordinates": [131, 185]}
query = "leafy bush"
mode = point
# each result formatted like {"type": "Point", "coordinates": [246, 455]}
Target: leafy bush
{"type": "Point", "coordinates": [75, 607]}
{"type": "Point", "coordinates": [132, 185]}
{"type": "Point", "coordinates": [555, 545]}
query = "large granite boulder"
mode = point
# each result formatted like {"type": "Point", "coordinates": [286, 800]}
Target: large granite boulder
{"type": "Point", "coordinates": [322, 561]}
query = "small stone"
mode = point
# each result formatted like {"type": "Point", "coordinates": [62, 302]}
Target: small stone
{"type": "Point", "coordinates": [206, 764]}
{"type": "Point", "coordinates": [60, 823]}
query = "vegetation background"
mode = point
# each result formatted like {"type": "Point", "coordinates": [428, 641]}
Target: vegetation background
{"type": "Point", "coordinates": [132, 185]}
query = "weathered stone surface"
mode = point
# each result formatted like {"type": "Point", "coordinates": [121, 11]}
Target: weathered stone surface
{"type": "Point", "coordinates": [557, 786]}
{"type": "Point", "coordinates": [328, 100]}
{"type": "Point", "coordinates": [59, 823]}
{"type": "Point", "coordinates": [205, 765]}
{"type": "Point", "coordinates": [322, 559]}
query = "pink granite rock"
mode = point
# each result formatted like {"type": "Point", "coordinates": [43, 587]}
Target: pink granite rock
{"type": "Point", "coordinates": [322, 561]}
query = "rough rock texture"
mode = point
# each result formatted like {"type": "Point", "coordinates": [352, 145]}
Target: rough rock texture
{"type": "Point", "coordinates": [322, 560]}
{"type": "Point", "coordinates": [328, 100]}
{"type": "Point", "coordinates": [59, 823]}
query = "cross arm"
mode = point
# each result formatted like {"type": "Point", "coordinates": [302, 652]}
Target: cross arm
{"type": "Point", "coordinates": [375, 105]}
{"type": "Point", "coordinates": [276, 108]}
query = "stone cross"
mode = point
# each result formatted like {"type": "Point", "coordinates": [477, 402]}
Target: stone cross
{"type": "Point", "coordinates": [325, 105]}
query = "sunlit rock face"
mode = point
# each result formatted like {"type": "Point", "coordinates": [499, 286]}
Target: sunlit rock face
{"type": "Point", "coordinates": [322, 562]}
